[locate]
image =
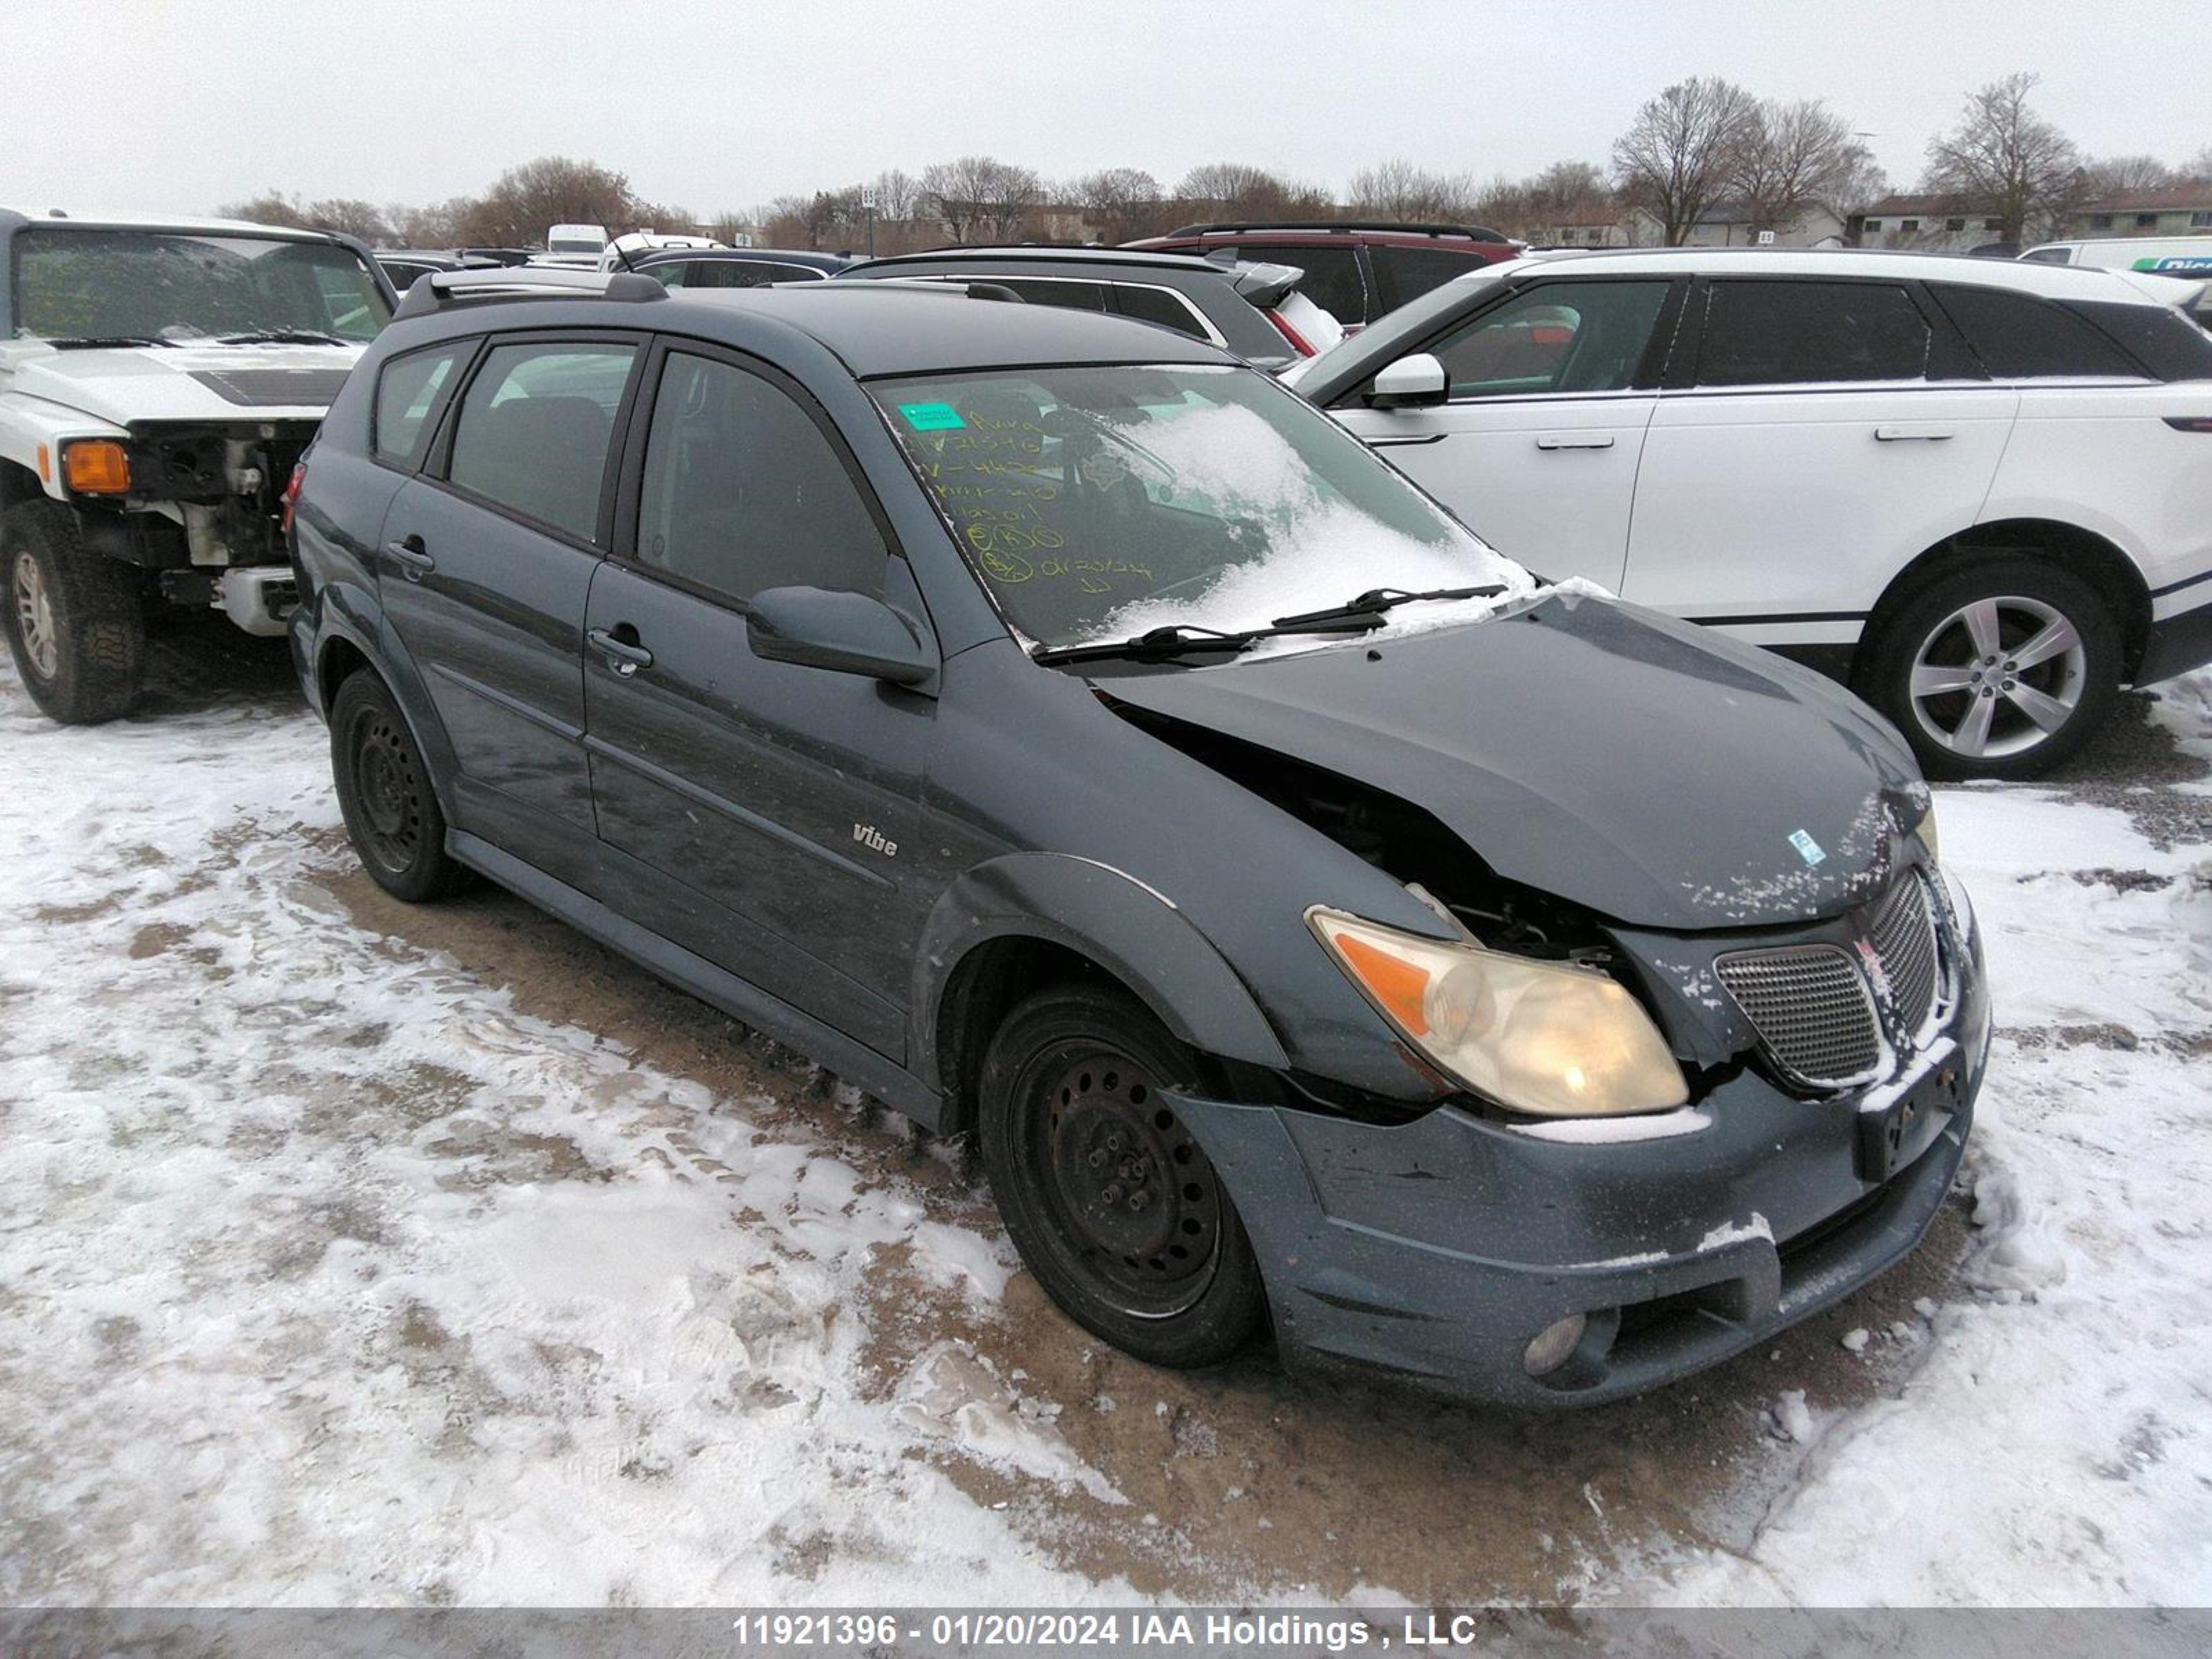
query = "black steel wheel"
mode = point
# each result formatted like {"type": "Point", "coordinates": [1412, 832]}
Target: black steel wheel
{"type": "Point", "coordinates": [1111, 1200]}
{"type": "Point", "coordinates": [392, 813]}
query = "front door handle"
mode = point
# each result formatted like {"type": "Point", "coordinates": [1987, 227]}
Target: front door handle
{"type": "Point", "coordinates": [1913, 434]}
{"type": "Point", "coordinates": [1566, 441]}
{"type": "Point", "coordinates": [412, 557]}
{"type": "Point", "coordinates": [624, 656]}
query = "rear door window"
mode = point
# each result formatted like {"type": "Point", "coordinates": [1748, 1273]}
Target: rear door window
{"type": "Point", "coordinates": [407, 389]}
{"type": "Point", "coordinates": [1765, 333]}
{"type": "Point", "coordinates": [1555, 337]}
{"type": "Point", "coordinates": [535, 428]}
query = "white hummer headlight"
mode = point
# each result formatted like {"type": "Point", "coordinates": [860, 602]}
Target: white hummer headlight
{"type": "Point", "coordinates": [1926, 830]}
{"type": "Point", "coordinates": [1550, 1038]}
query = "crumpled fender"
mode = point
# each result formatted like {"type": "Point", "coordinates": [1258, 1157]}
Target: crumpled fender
{"type": "Point", "coordinates": [1127, 927]}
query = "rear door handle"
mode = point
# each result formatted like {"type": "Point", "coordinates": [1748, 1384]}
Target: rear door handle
{"type": "Point", "coordinates": [1565, 440]}
{"type": "Point", "coordinates": [1913, 434]}
{"type": "Point", "coordinates": [412, 556]}
{"type": "Point", "coordinates": [624, 658]}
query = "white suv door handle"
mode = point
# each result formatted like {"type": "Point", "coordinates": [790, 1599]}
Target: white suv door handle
{"type": "Point", "coordinates": [1902, 435]}
{"type": "Point", "coordinates": [1563, 440]}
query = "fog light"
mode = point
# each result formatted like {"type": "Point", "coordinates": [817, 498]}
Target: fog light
{"type": "Point", "coordinates": [1554, 1344]}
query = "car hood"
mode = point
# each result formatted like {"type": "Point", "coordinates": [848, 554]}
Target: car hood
{"type": "Point", "coordinates": [127, 384]}
{"type": "Point", "coordinates": [1661, 775]}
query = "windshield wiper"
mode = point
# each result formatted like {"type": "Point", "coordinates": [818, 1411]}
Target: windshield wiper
{"type": "Point", "coordinates": [1175, 640]}
{"type": "Point", "coordinates": [1359, 616]}
{"type": "Point", "coordinates": [280, 337]}
{"type": "Point", "coordinates": [101, 342]}
{"type": "Point", "coordinates": [1377, 600]}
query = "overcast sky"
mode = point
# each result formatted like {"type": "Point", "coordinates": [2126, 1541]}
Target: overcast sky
{"type": "Point", "coordinates": [174, 105]}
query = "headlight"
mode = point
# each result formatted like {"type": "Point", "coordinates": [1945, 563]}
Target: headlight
{"type": "Point", "coordinates": [1926, 830]}
{"type": "Point", "coordinates": [1547, 1038]}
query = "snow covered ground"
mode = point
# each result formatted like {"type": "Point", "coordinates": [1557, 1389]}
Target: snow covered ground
{"type": "Point", "coordinates": [356, 1253]}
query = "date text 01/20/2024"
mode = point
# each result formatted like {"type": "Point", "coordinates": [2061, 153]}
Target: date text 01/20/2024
{"type": "Point", "coordinates": [1077, 1630]}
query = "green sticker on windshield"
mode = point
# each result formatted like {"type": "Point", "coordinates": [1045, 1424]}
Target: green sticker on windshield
{"type": "Point", "coordinates": [931, 417]}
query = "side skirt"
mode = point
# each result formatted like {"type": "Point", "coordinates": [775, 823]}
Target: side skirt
{"type": "Point", "coordinates": [853, 1062]}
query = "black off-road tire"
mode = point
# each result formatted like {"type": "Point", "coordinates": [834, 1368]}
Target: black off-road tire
{"type": "Point", "coordinates": [1114, 1207]}
{"type": "Point", "coordinates": [81, 648]}
{"type": "Point", "coordinates": [392, 812]}
{"type": "Point", "coordinates": [2023, 591]}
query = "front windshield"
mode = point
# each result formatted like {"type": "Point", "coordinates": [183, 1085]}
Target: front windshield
{"type": "Point", "coordinates": [182, 288]}
{"type": "Point", "coordinates": [1099, 502]}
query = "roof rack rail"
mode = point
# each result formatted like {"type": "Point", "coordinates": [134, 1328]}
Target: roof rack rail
{"type": "Point", "coordinates": [1473, 232]}
{"type": "Point", "coordinates": [441, 288]}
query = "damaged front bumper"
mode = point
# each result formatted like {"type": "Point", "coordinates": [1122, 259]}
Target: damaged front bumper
{"type": "Point", "coordinates": [1437, 1251]}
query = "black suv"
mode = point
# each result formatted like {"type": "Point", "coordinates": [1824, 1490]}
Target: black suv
{"type": "Point", "coordinates": [1072, 738]}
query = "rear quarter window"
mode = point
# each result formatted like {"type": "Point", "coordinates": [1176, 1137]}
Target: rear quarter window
{"type": "Point", "coordinates": [1414, 271]}
{"type": "Point", "coordinates": [2020, 337]}
{"type": "Point", "coordinates": [407, 389]}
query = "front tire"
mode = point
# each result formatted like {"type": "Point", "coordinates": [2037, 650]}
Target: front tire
{"type": "Point", "coordinates": [1113, 1205]}
{"type": "Point", "coordinates": [75, 621]}
{"type": "Point", "coordinates": [2002, 668]}
{"type": "Point", "coordinates": [391, 813]}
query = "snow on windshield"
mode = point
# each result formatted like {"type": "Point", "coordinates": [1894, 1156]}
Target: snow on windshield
{"type": "Point", "coordinates": [1321, 550]}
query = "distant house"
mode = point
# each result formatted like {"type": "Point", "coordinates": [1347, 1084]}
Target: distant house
{"type": "Point", "coordinates": [2161, 210]}
{"type": "Point", "coordinates": [1925, 224]}
{"type": "Point", "coordinates": [1728, 224]}
{"type": "Point", "coordinates": [1725, 224]}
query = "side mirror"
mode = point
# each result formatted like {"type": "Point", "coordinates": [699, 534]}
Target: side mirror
{"type": "Point", "coordinates": [1414, 382]}
{"type": "Point", "coordinates": [844, 633]}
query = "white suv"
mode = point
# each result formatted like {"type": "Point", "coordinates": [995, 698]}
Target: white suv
{"type": "Point", "coordinates": [1980, 491]}
{"type": "Point", "coordinates": [159, 380]}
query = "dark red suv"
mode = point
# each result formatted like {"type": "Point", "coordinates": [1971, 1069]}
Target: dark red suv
{"type": "Point", "coordinates": [1359, 268]}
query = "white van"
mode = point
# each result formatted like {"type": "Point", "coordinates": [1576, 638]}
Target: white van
{"type": "Point", "coordinates": [573, 245]}
{"type": "Point", "coordinates": [2164, 256]}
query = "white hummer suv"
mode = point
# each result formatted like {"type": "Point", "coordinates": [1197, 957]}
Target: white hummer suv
{"type": "Point", "coordinates": [159, 380]}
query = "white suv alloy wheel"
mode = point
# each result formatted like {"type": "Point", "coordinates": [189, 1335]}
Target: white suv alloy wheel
{"type": "Point", "coordinates": [1999, 676]}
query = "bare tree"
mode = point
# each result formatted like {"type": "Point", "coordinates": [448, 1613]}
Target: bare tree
{"type": "Point", "coordinates": [1534, 206]}
{"type": "Point", "coordinates": [1399, 189]}
{"type": "Point", "coordinates": [980, 198]}
{"type": "Point", "coordinates": [898, 194]}
{"type": "Point", "coordinates": [1796, 156]}
{"type": "Point", "coordinates": [2008, 162]}
{"type": "Point", "coordinates": [2197, 169]}
{"type": "Point", "coordinates": [435, 225]}
{"type": "Point", "coordinates": [2118, 175]}
{"type": "Point", "coordinates": [1679, 154]}
{"type": "Point", "coordinates": [517, 211]}
{"type": "Point", "coordinates": [1119, 203]}
{"type": "Point", "coordinates": [346, 217]}
{"type": "Point", "coordinates": [1235, 190]}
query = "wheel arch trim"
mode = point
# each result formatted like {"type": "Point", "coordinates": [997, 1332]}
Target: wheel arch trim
{"type": "Point", "coordinates": [1124, 926]}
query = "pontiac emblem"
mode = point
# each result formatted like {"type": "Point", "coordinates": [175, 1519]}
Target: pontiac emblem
{"type": "Point", "coordinates": [1870, 959]}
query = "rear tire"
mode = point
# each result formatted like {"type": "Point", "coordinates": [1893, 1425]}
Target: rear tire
{"type": "Point", "coordinates": [1114, 1207]}
{"type": "Point", "coordinates": [2001, 668]}
{"type": "Point", "coordinates": [75, 621]}
{"type": "Point", "coordinates": [391, 813]}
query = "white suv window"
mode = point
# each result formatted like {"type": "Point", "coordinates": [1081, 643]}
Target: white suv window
{"type": "Point", "coordinates": [1762, 333]}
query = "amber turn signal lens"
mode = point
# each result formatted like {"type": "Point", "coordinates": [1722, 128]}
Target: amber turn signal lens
{"type": "Point", "coordinates": [96, 466]}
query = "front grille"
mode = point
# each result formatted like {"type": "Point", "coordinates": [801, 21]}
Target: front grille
{"type": "Point", "coordinates": [1810, 1006]}
{"type": "Point", "coordinates": [1814, 1006]}
{"type": "Point", "coordinates": [1904, 934]}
